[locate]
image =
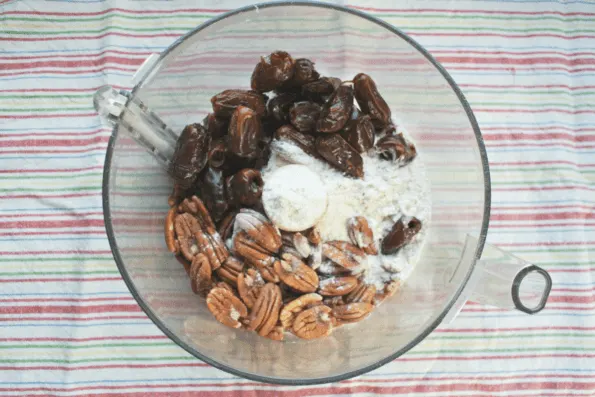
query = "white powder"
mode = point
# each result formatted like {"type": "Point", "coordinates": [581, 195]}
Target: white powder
{"type": "Point", "coordinates": [385, 194]}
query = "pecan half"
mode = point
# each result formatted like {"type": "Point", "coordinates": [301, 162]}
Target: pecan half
{"type": "Point", "coordinates": [269, 274]}
{"type": "Point", "coordinates": [249, 286]}
{"type": "Point", "coordinates": [296, 274]}
{"type": "Point", "coordinates": [400, 235]}
{"type": "Point", "coordinates": [259, 229]}
{"type": "Point", "coordinates": [200, 275]}
{"type": "Point", "coordinates": [296, 306]}
{"type": "Point", "coordinates": [302, 245]}
{"type": "Point", "coordinates": [230, 270]}
{"type": "Point", "coordinates": [185, 226]}
{"type": "Point", "coordinates": [224, 285]}
{"type": "Point", "coordinates": [328, 268]}
{"type": "Point", "coordinates": [253, 253]}
{"type": "Point", "coordinates": [352, 312]}
{"type": "Point", "coordinates": [277, 333]}
{"type": "Point", "coordinates": [313, 323]}
{"type": "Point", "coordinates": [170, 233]}
{"type": "Point", "coordinates": [333, 301]}
{"type": "Point", "coordinates": [360, 234]}
{"type": "Point", "coordinates": [389, 290]}
{"type": "Point", "coordinates": [265, 311]}
{"type": "Point", "coordinates": [343, 254]}
{"type": "Point", "coordinates": [362, 293]}
{"type": "Point", "coordinates": [337, 286]}
{"type": "Point", "coordinates": [313, 235]}
{"type": "Point", "coordinates": [227, 308]}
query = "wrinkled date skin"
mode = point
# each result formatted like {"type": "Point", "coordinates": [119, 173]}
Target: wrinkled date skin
{"type": "Point", "coordinates": [337, 152]}
{"type": "Point", "coordinates": [278, 107]}
{"type": "Point", "coordinates": [212, 189]}
{"type": "Point", "coordinates": [245, 187]}
{"type": "Point", "coordinates": [400, 235]}
{"type": "Point", "coordinates": [304, 115]}
{"type": "Point", "coordinates": [190, 155]}
{"type": "Point", "coordinates": [305, 142]}
{"type": "Point", "coordinates": [245, 132]}
{"type": "Point", "coordinates": [218, 154]}
{"type": "Point", "coordinates": [337, 110]}
{"type": "Point", "coordinates": [359, 132]}
{"type": "Point", "coordinates": [226, 102]}
{"type": "Point", "coordinates": [272, 71]}
{"type": "Point", "coordinates": [304, 73]}
{"type": "Point", "coordinates": [370, 101]}
{"type": "Point", "coordinates": [216, 126]}
{"type": "Point", "coordinates": [319, 90]}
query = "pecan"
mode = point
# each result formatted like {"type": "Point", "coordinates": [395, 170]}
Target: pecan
{"type": "Point", "coordinates": [277, 333]}
{"type": "Point", "coordinates": [225, 227]}
{"type": "Point", "coordinates": [227, 101]}
{"type": "Point", "coordinates": [269, 274]}
{"type": "Point", "coordinates": [313, 235]}
{"type": "Point", "coordinates": [370, 101]}
{"type": "Point", "coordinates": [200, 275]}
{"type": "Point", "coordinates": [400, 235]}
{"type": "Point", "coordinates": [389, 290]}
{"type": "Point", "coordinates": [190, 155]}
{"type": "Point", "coordinates": [352, 312]}
{"type": "Point", "coordinates": [296, 306]}
{"type": "Point", "coordinates": [301, 244]}
{"type": "Point", "coordinates": [362, 293]}
{"type": "Point", "coordinates": [328, 268]}
{"type": "Point", "coordinates": [227, 308]}
{"type": "Point", "coordinates": [259, 229]}
{"type": "Point", "coordinates": [272, 71]}
{"type": "Point", "coordinates": [230, 270]}
{"type": "Point", "coordinates": [249, 286]}
{"type": "Point", "coordinates": [296, 274]}
{"type": "Point", "coordinates": [315, 258]}
{"type": "Point", "coordinates": [170, 234]}
{"type": "Point", "coordinates": [333, 301]}
{"type": "Point", "coordinates": [343, 254]}
{"type": "Point", "coordinates": [224, 285]}
{"type": "Point", "coordinates": [253, 253]}
{"type": "Point", "coordinates": [265, 311]}
{"type": "Point", "coordinates": [185, 226]}
{"type": "Point", "coordinates": [338, 153]}
{"type": "Point", "coordinates": [313, 323]}
{"type": "Point", "coordinates": [337, 286]}
{"type": "Point", "coordinates": [361, 234]}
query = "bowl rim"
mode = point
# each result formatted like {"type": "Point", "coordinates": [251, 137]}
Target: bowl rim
{"type": "Point", "coordinates": [334, 378]}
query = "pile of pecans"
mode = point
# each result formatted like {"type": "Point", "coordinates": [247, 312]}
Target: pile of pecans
{"type": "Point", "coordinates": [264, 279]}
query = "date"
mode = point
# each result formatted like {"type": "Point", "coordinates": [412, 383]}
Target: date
{"type": "Point", "coordinates": [400, 235]}
{"type": "Point", "coordinates": [278, 107]}
{"type": "Point", "coordinates": [304, 115]}
{"type": "Point", "coordinates": [212, 189]}
{"type": "Point", "coordinates": [396, 149]}
{"type": "Point", "coordinates": [337, 110]}
{"type": "Point", "coordinates": [190, 155]}
{"type": "Point", "coordinates": [359, 132]}
{"type": "Point", "coordinates": [245, 132]}
{"type": "Point", "coordinates": [305, 142]}
{"type": "Point", "coordinates": [245, 187]}
{"type": "Point", "coordinates": [320, 90]}
{"type": "Point", "coordinates": [216, 126]}
{"type": "Point", "coordinates": [226, 102]}
{"type": "Point", "coordinates": [272, 71]}
{"type": "Point", "coordinates": [370, 101]}
{"type": "Point", "coordinates": [338, 153]}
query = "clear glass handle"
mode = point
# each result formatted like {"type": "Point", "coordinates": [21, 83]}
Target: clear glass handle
{"type": "Point", "coordinates": [144, 126]}
{"type": "Point", "coordinates": [503, 280]}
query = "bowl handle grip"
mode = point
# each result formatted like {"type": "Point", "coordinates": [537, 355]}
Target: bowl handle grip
{"type": "Point", "coordinates": [504, 280]}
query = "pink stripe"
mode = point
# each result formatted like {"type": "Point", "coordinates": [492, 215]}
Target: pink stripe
{"type": "Point", "coordinates": [57, 134]}
{"type": "Point", "coordinates": [122, 10]}
{"type": "Point", "coordinates": [543, 216]}
{"type": "Point", "coordinates": [47, 116]}
{"type": "Point", "coordinates": [73, 300]}
{"type": "Point", "coordinates": [82, 319]}
{"type": "Point", "coordinates": [53, 280]}
{"type": "Point", "coordinates": [459, 11]}
{"type": "Point", "coordinates": [93, 339]}
{"type": "Point", "coordinates": [69, 309]}
{"type": "Point", "coordinates": [196, 364]}
{"type": "Point", "coordinates": [514, 329]}
{"type": "Point", "coordinates": [567, 187]}
{"type": "Point", "coordinates": [51, 224]}
{"type": "Point", "coordinates": [548, 162]}
{"type": "Point", "coordinates": [51, 170]}
{"type": "Point", "coordinates": [53, 142]}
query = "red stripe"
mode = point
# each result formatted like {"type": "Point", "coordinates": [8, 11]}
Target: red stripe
{"type": "Point", "coordinates": [532, 207]}
{"type": "Point", "coordinates": [514, 329]}
{"type": "Point", "coordinates": [196, 364]}
{"type": "Point", "coordinates": [69, 309]}
{"type": "Point", "coordinates": [122, 10]}
{"type": "Point", "coordinates": [47, 116]}
{"type": "Point", "coordinates": [37, 196]}
{"type": "Point", "coordinates": [94, 38]}
{"type": "Point", "coordinates": [547, 162]}
{"type": "Point", "coordinates": [53, 280]}
{"type": "Point", "coordinates": [74, 300]}
{"type": "Point", "coordinates": [53, 142]}
{"type": "Point", "coordinates": [74, 213]}
{"type": "Point", "coordinates": [57, 134]}
{"type": "Point", "coordinates": [537, 225]}
{"type": "Point", "coordinates": [77, 64]}
{"type": "Point", "coordinates": [93, 339]}
{"type": "Point", "coordinates": [51, 170]}
{"type": "Point", "coordinates": [539, 136]}
{"type": "Point", "coordinates": [70, 252]}
{"type": "Point", "coordinates": [459, 11]}
{"type": "Point", "coordinates": [62, 318]}
{"type": "Point", "coordinates": [100, 232]}
{"type": "Point", "coordinates": [51, 224]}
{"type": "Point", "coordinates": [141, 53]}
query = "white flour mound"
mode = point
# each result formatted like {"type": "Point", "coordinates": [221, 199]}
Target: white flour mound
{"type": "Point", "coordinates": [385, 194]}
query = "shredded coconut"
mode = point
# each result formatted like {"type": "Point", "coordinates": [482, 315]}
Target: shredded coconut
{"type": "Point", "coordinates": [385, 194]}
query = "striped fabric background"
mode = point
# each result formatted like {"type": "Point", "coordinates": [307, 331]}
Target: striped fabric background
{"type": "Point", "coordinates": [69, 326]}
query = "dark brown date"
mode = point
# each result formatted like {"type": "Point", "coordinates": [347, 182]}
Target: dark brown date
{"type": "Point", "coordinates": [278, 107]}
{"type": "Point", "coordinates": [396, 149]}
{"type": "Point", "coordinates": [190, 155]}
{"type": "Point", "coordinates": [389, 129]}
{"type": "Point", "coordinates": [319, 90]}
{"type": "Point", "coordinates": [264, 154]}
{"type": "Point", "coordinates": [304, 73]}
{"type": "Point", "coordinates": [212, 192]}
{"type": "Point", "coordinates": [226, 102]}
{"type": "Point", "coordinates": [245, 132]}
{"type": "Point", "coordinates": [304, 115]}
{"type": "Point", "coordinates": [216, 126]}
{"type": "Point", "coordinates": [359, 132]}
{"type": "Point", "coordinates": [338, 153]}
{"type": "Point", "coordinates": [218, 154]}
{"type": "Point", "coordinates": [305, 142]}
{"type": "Point", "coordinates": [336, 112]}
{"type": "Point", "coordinates": [370, 101]}
{"type": "Point", "coordinates": [245, 187]}
{"type": "Point", "coordinates": [272, 71]}
{"type": "Point", "coordinates": [400, 235]}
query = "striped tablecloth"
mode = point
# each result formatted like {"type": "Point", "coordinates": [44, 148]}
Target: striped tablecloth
{"type": "Point", "coordinates": [69, 326]}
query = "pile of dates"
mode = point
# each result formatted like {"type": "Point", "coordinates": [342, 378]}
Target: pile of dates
{"type": "Point", "coordinates": [266, 280]}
